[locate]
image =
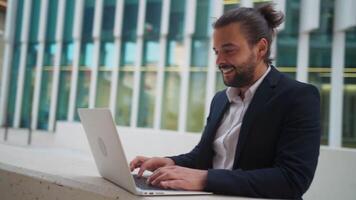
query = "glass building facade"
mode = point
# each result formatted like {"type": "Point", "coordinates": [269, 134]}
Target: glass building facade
{"type": "Point", "coordinates": [151, 62]}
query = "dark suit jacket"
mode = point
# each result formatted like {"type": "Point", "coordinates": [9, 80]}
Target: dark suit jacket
{"type": "Point", "coordinates": [278, 146]}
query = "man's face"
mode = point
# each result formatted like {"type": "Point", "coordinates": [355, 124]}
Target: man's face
{"type": "Point", "coordinates": [235, 58]}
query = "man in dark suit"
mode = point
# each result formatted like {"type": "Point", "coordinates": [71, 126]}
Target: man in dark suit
{"type": "Point", "coordinates": [262, 135]}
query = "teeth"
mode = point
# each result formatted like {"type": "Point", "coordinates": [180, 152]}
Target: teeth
{"type": "Point", "coordinates": [227, 70]}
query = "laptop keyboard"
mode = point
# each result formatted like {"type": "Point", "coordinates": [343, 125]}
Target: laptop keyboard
{"type": "Point", "coordinates": [141, 183]}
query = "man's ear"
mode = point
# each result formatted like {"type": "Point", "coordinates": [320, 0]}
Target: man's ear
{"type": "Point", "coordinates": [262, 48]}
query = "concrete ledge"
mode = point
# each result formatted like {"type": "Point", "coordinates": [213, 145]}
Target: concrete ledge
{"type": "Point", "coordinates": [17, 186]}
{"type": "Point", "coordinates": [64, 158]}
{"type": "Point", "coordinates": [45, 173]}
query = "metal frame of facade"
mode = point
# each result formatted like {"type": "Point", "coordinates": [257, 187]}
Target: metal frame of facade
{"type": "Point", "coordinates": [309, 22]}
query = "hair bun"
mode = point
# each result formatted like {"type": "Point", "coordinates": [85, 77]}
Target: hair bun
{"type": "Point", "coordinates": [274, 18]}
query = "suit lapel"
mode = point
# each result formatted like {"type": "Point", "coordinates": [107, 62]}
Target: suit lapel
{"type": "Point", "coordinates": [261, 97]}
{"type": "Point", "coordinates": [222, 105]}
{"type": "Point", "coordinates": [219, 108]}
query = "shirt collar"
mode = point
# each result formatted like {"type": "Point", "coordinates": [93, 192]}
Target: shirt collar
{"type": "Point", "coordinates": [233, 92]}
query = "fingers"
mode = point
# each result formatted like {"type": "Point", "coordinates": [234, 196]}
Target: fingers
{"type": "Point", "coordinates": [137, 162]}
{"type": "Point", "coordinates": [161, 174]}
{"type": "Point", "coordinates": [142, 169]}
{"type": "Point", "coordinates": [174, 184]}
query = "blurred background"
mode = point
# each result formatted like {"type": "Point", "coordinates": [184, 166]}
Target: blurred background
{"type": "Point", "coordinates": [151, 61]}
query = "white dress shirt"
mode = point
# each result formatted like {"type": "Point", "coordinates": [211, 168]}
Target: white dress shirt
{"type": "Point", "coordinates": [228, 132]}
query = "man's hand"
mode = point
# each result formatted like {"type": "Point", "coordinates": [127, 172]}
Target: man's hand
{"type": "Point", "coordinates": [180, 178]}
{"type": "Point", "coordinates": [150, 164]}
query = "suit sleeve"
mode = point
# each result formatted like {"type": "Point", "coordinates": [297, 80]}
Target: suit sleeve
{"type": "Point", "coordinates": [297, 154]}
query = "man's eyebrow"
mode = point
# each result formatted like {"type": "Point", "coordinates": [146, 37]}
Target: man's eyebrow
{"type": "Point", "coordinates": [227, 45]}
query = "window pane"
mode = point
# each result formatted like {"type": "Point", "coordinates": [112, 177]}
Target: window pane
{"type": "Point", "coordinates": [198, 70]}
{"type": "Point", "coordinates": [320, 61]}
{"type": "Point", "coordinates": [127, 61]}
{"type": "Point", "coordinates": [46, 85]}
{"type": "Point", "coordinates": [19, 17]}
{"type": "Point", "coordinates": [35, 14]}
{"type": "Point", "coordinates": [175, 56]}
{"type": "Point", "coordinates": [63, 94]}
{"type": "Point", "coordinates": [86, 57]}
{"type": "Point", "coordinates": [147, 99]}
{"type": "Point", "coordinates": [124, 98]}
{"type": "Point", "coordinates": [51, 20]}
{"type": "Point", "coordinates": [13, 85]}
{"type": "Point", "coordinates": [349, 110]}
{"type": "Point", "coordinates": [150, 59]}
{"type": "Point", "coordinates": [82, 100]}
{"type": "Point", "coordinates": [28, 86]}
{"type": "Point", "coordinates": [196, 105]}
{"type": "Point", "coordinates": [30, 66]}
{"type": "Point", "coordinates": [104, 74]}
{"type": "Point", "coordinates": [287, 41]}
{"type": "Point", "coordinates": [175, 47]}
{"type": "Point", "coordinates": [106, 55]}
{"type": "Point", "coordinates": [170, 103]}
{"type": "Point", "coordinates": [66, 62]}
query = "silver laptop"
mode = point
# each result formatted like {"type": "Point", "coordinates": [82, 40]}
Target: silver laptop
{"type": "Point", "coordinates": [110, 157]}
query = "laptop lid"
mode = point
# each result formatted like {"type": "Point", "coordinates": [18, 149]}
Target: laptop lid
{"type": "Point", "coordinates": [106, 147]}
{"type": "Point", "coordinates": [109, 155]}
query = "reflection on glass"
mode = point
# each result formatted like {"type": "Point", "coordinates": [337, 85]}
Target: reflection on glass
{"type": "Point", "coordinates": [196, 105]}
{"type": "Point", "coordinates": [150, 59]}
{"type": "Point", "coordinates": [14, 69]}
{"type": "Point", "coordinates": [287, 41]}
{"type": "Point", "coordinates": [43, 112]}
{"type": "Point", "coordinates": [106, 58]}
{"type": "Point", "coordinates": [127, 60]}
{"type": "Point", "coordinates": [124, 98]}
{"type": "Point", "coordinates": [175, 56]}
{"type": "Point", "coordinates": [13, 86]}
{"type": "Point", "coordinates": [35, 14]}
{"type": "Point", "coordinates": [127, 57]}
{"type": "Point", "coordinates": [82, 100]}
{"type": "Point", "coordinates": [30, 66]}
{"type": "Point", "coordinates": [66, 63]}
{"type": "Point", "coordinates": [197, 82]}
{"type": "Point", "coordinates": [28, 86]}
{"type": "Point", "coordinates": [104, 74]}
{"type": "Point", "coordinates": [86, 57]}
{"type": "Point", "coordinates": [46, 85]}
{"type": "Point", "coordinates": [200, 53]}
{"type": "Point", "coordinates": [151, 53]}
{"type": "Point", "coordinates": [65, 80]}
{"type": "Point", "coordinates": [19, 16]}
{"type": "Point", "coordinates": [170, 103]}
{"type": "Point", "coordinates": [319, 59]}
{"type": "Point", "coordinates": [349, 110]}
{"type": "Point", "coordinates": [147, 99]}
{"type": "Point", "coordinates": [63, 97]}
{"type": "Point", "coordinates": [175, 47]}
{"type": "Point", "coordinates": [103, 88]}
{"type": "Point", "coordinates": [175, 53]}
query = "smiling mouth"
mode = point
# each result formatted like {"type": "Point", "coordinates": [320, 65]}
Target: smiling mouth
{"type": "Point", "coordinates": [226, 69]}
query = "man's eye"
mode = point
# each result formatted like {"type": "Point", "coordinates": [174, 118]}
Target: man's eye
{"type": "Point", "coordinates": [228, 50]}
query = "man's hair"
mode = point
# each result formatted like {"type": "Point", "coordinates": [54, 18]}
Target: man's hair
{"type": "Point", "coordinates": [255, 23]}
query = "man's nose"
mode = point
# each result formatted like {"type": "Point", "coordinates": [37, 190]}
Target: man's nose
{"type": "Point", "coordinates": [220, 59]}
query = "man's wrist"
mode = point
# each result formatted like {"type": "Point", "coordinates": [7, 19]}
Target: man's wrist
{"type": "Point", "coordinates": [169, 161]}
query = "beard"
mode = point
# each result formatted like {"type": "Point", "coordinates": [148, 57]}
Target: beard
{"type": "Point", "coordinates": [243, 73]}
